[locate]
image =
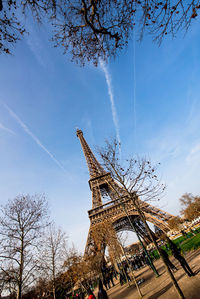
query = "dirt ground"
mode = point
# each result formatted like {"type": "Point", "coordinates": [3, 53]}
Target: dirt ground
{"type": "Point", "coordinates": [161, 287]}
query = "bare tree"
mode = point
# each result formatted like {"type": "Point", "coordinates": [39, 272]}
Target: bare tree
{"type": "Point", "coordinates": [77, 269]}
{"type": "Point", "coordinates": [81, 270]}
{"type": "Point", "coordinates": [190, 206]}
{"type": "Point", "coordinates": [13, 15]}
{"type": "Point", "coordinates": [90, 29]}
{"type": "Point", "coordinates": [21, 222]}
{"type": "Point", "coordinates": [52, 254]}
{"type": "Point", "coordinates": [136, 178]}
{"type": "Point", "coordinates": [176, 223]}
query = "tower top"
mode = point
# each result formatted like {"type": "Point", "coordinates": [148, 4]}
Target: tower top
{"type": "Point", "coordinates": [94, 167]}
{"type": "Point", "coordinates": [78, 132]}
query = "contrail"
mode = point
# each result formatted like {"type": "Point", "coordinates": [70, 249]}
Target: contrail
{"type": "Point", "coordinates": [26, 129]}
{"type": "Point", "coordinates": [134, 85]}
{"type": "Point", "coordinates": [6, 129]}
{"type": "Point", "coordinates": [111, 96]}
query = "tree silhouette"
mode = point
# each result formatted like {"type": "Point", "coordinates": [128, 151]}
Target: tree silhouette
{"type": "Point", "coordinates": [93, 29]}
{"type": "Point", "coordinates": [21, 222]}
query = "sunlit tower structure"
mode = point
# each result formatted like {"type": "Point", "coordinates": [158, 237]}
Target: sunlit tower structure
{"type": "Point", "coordinates": [102, 186]}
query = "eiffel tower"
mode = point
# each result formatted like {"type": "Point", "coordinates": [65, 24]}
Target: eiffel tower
{"type": "Point", "coordinates": [103, 186]}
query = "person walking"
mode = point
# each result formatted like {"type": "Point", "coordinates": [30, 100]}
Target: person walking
{"type": "Point", "coordinates": [105, 281]}
{"type": "Point", "coordinates": [102, 293]}
{"type": "Point", "coordinates": [176, 253]}
{"type": "Point", "coordinates": [167, 260]}
{"type": "Point", "coordinates": [111, 276]}
{"type": "Point", "coordinates": [122, 278]}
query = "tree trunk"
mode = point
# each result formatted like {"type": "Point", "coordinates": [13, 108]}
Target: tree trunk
{"type": "Point", "coordinates": [54, 291]}
{"type": "Point", "coordinates": [53, 276]}
{"type": "Point", "coordinates": [137, 286]}
{"type": "Point", "coordinates": [176, 286]}
{"type": "Point", "coordinates": [21, 268]}
{"type": "Point", "coordinates": [19, 292]}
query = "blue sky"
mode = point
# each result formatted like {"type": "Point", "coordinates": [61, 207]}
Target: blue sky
{"type": "Point", "coordinates": [44, 97]}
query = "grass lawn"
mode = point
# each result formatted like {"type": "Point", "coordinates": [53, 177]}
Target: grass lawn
{"type": "Point", "coordinates": [188, 243]}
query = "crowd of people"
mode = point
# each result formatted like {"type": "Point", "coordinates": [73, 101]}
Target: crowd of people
{"type": "Point", "coordinates": [135, 262]}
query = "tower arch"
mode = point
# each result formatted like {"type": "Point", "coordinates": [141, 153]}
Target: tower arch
{"type": "Point", "coordinates": [102, 183]}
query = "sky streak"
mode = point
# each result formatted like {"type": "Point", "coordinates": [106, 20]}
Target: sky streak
{"type": "Point", "coordinates": [111, 96]}
{"type": "Point", "coordinates": [165, 128]}
{"type": "Point", "coordinates": [2, 127]}
{"type": "Point", "coordinates": [37, 141]}
{"type": "Point", "coordinates": [134, 86]}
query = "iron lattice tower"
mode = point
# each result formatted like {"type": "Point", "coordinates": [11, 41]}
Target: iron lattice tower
{"type": "Point", "coordinates": [102, 185]}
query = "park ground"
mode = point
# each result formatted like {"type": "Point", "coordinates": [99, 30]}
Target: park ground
{"type": "Point", "coordinates": [161, 287]}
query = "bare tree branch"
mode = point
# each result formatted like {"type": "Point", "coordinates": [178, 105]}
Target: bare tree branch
{"type": "Point", "coordinates": [21, 222]}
